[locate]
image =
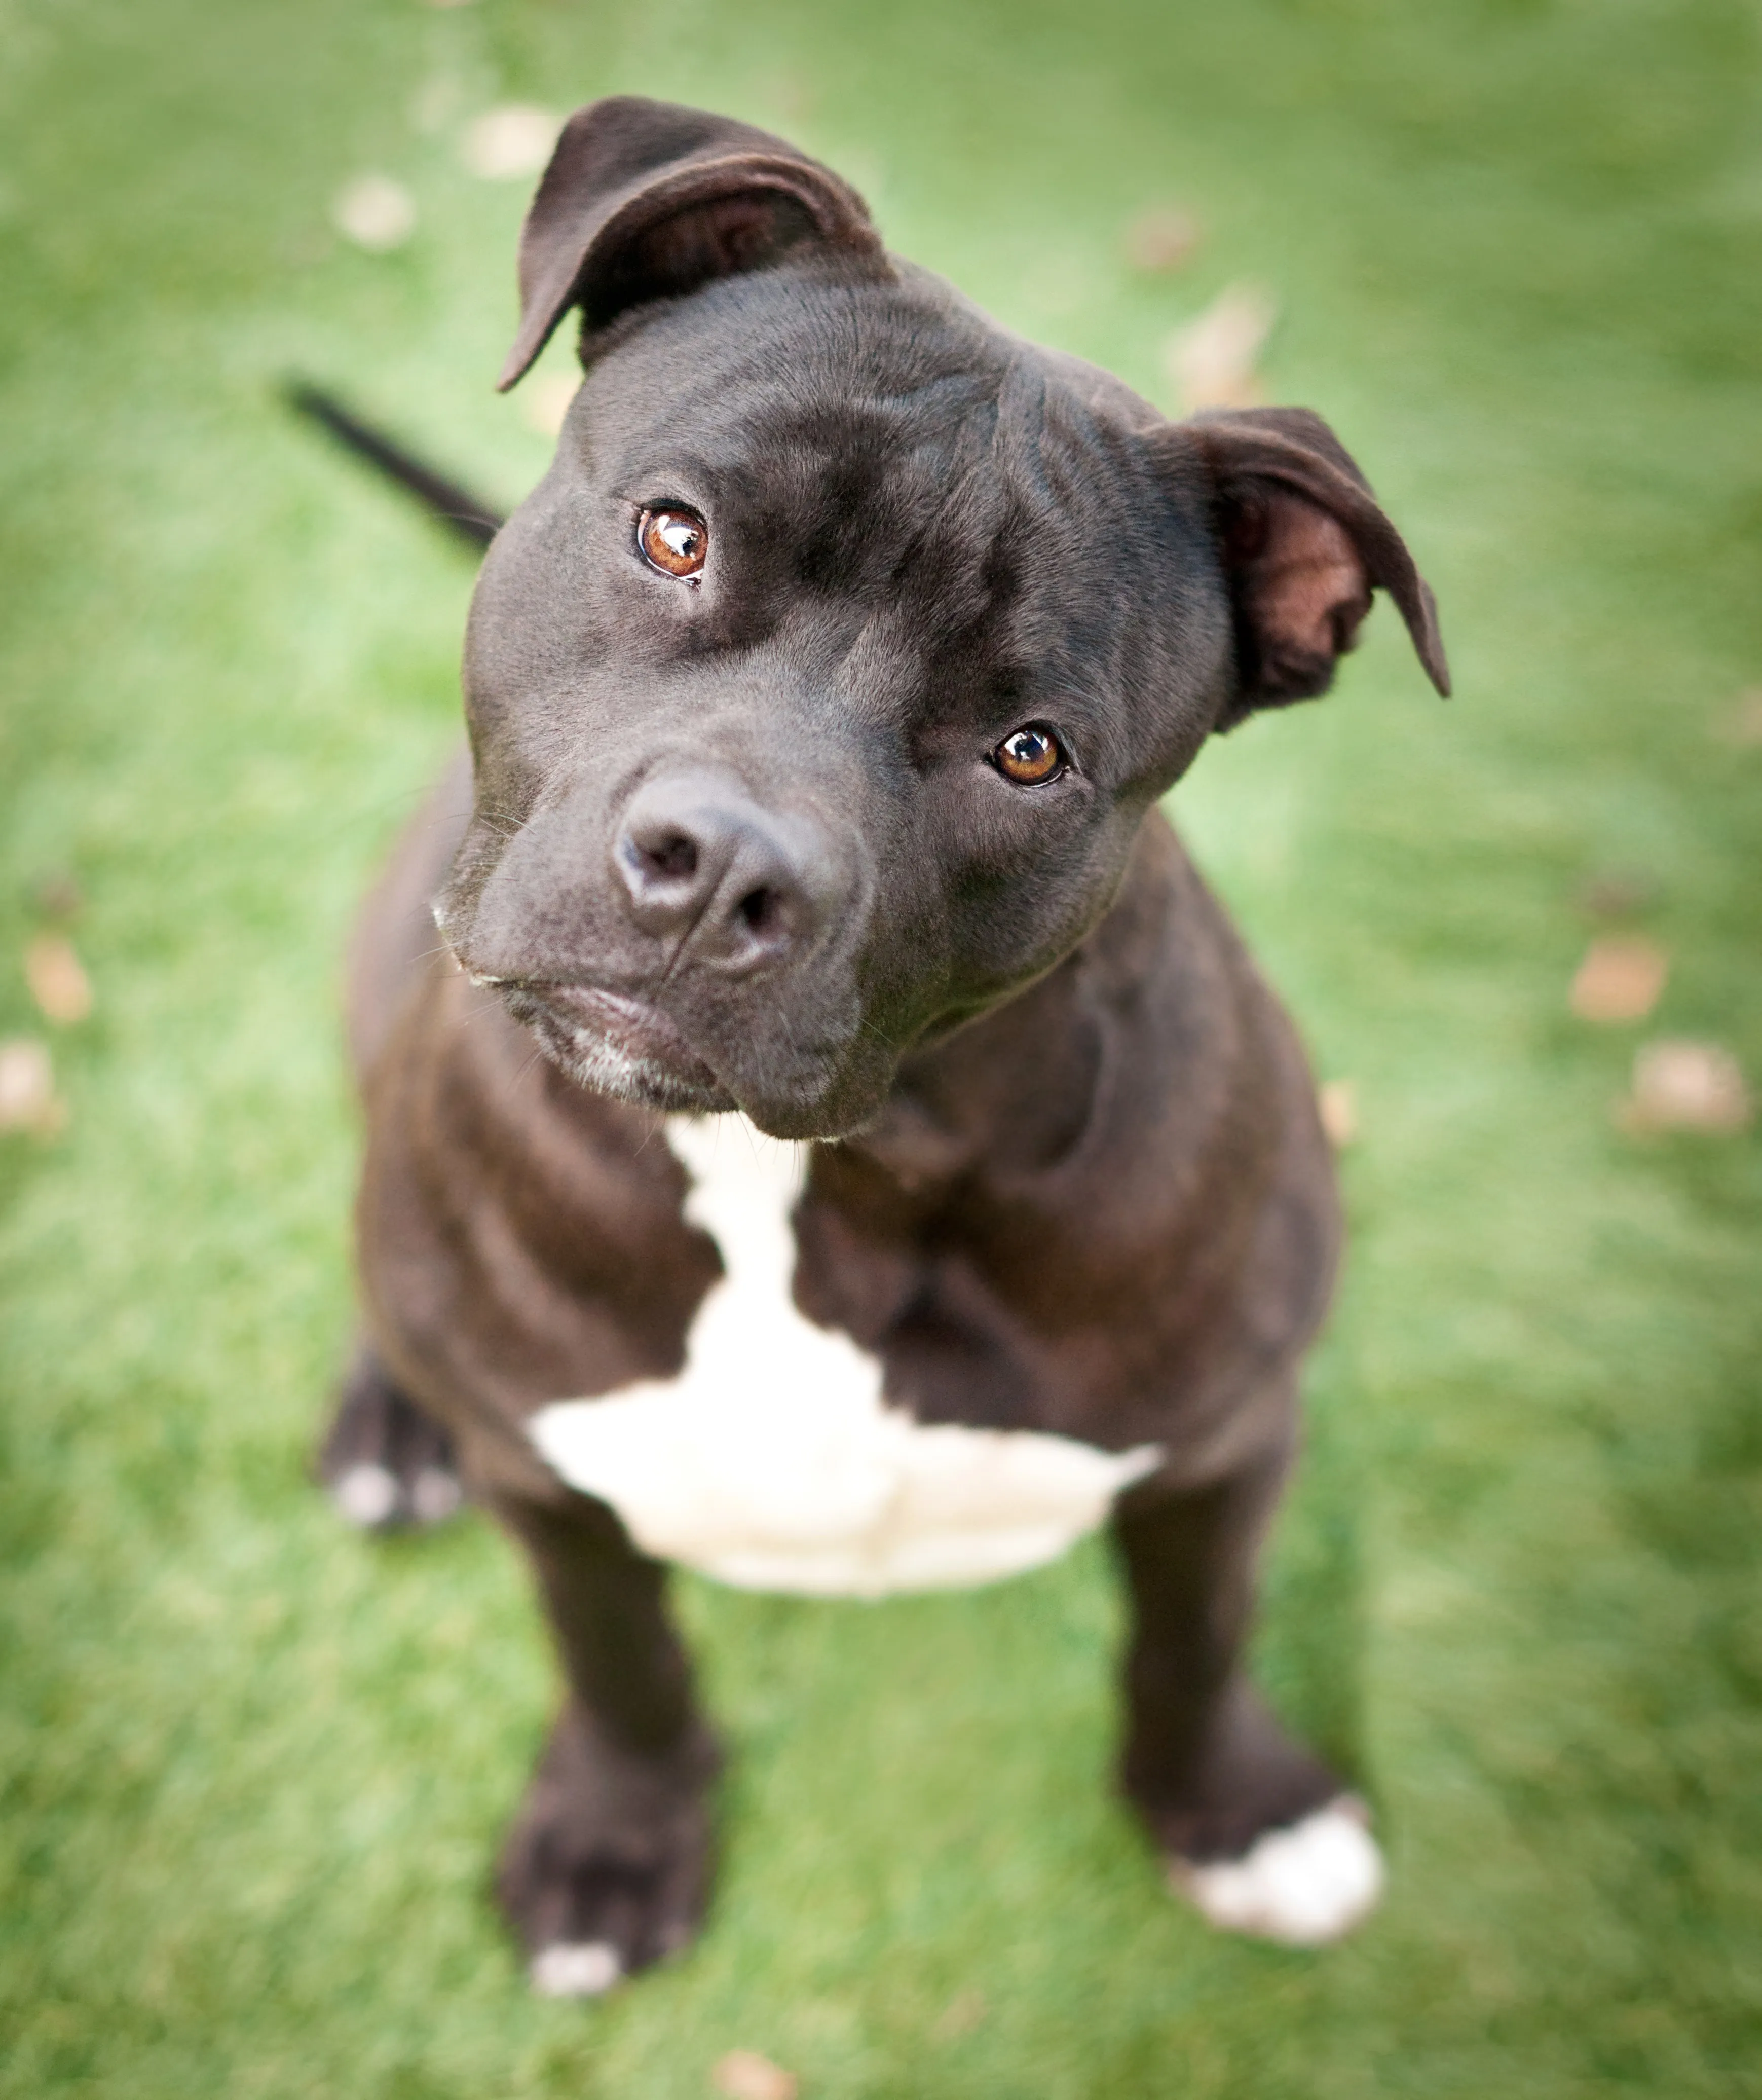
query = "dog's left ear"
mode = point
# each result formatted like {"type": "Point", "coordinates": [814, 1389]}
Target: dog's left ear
{"type": "Point", "coordinates": [1304, 544]}
{"type": "Point", "coordinates": [647, 201]}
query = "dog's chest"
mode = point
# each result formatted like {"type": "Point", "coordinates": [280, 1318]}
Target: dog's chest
{"type": "Point", "coordinates": [771, 1461]}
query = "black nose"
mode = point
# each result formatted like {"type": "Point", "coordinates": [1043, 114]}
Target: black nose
{"type": "Point", "coordinates": [703, 865]}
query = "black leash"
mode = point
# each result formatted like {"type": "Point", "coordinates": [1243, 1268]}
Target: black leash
{"type": "Point", "coordinates": [455, 508]}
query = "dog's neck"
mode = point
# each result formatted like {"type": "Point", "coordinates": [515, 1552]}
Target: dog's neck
{"type": "Point", "coordinates": [1019, 1087]}
{"type": "Point", "coordinates": [948, 1109]}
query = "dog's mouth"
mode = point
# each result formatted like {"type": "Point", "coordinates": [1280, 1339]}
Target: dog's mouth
{"type": "Point", "coordinates": [613, 1044]}
{"type": "Point", "coordinates": [629, 1047]}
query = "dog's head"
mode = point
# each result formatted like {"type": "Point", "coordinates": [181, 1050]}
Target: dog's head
{"type": "Point", "coordinates": [816, 692]}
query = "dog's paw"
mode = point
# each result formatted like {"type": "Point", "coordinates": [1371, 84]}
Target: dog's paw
{"type": "Point", "coordinates": [576, 1968]}
{"type": "Point", "coordinates": [385, 1463]}
{"type": "Point", "coordinates": [1304, 1886]}
{"type": "Point", "coordinates": [607, 1870]}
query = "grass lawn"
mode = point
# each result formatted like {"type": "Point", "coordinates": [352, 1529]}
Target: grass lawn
{"type": "Point", "coordinates": [253, 1768]}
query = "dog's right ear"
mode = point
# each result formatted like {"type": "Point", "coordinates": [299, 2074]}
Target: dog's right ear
{"type": "Point", "coordinates": [647, 201]}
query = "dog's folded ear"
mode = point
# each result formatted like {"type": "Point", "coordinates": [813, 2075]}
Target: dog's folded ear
{"type": "Point", "coordinates": [647, 201]}
{"type": "Point", "coordinates": [1304, 544]}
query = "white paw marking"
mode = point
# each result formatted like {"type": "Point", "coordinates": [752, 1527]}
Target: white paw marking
{"type": "Point", "coordinates": [434, 1494]}
{"type": "Point", "coordinates": [576, 1968]}
{"type": "Point", "coordinates": [1304, 1887]}
{"type": "Point", "coordinates": [367, 1495]}
{"type": "Point", "coordinates": [772, 1461]}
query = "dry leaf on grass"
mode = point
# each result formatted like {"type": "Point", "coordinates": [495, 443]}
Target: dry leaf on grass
{"type": "Point", "coordinates": [28, 1099]}
{"type": "Point", "coordinates": [1161, 238]}
{"type": "Point", "coordinates": [375, 213]}
{"type": "Point", "coordinates": [1682, 1085]}
{"type": "Point", "coordinates": [1338, 1101]}
{"type": "Point", "coordinates": [744, 2075]}
{"type": "Point", "coordinates": [1059, 284]}
{"type": "Point", "coordinates": [436, 103]}
{"type": "Point", "coordinates": [58, 983]}
{"type": "Point", "coordinates": [1621, 978]}
{"type": "Point", "coordinates": [791, 95]}
{"type": "Point", "coordinates": [512, 140]}
{"type": "Point", "coordinates": [961, 2015]}
{"type": "Point", "coordinates": [1741, 723]}
{"type": "Point", "coordinates": [57, 894]}
{"type": "Point", "coordinates": [1618, 893]}
{"type": "Point", "coordinates": [547, 400]}
{"type": "Point", "coordinates": [1211, 362]}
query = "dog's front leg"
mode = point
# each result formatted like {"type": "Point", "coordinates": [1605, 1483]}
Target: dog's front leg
{"type": "Point", "coordinates": [607, 1868]}
{"type": "Point", "coordinates": [1255, 1829]}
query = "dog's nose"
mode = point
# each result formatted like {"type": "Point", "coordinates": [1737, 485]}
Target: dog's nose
{"type": "Point", "coordinates": [702, 863]}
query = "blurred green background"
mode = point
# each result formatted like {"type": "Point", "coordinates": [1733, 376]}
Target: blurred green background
{"type": "Point", "coordinates": [254, 1768]}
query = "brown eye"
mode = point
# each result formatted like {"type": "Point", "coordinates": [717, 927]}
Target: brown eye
{"type": "Point", "coordinates": [677, 541]}
{"type": "Point", "coordinates": [1030, 756]}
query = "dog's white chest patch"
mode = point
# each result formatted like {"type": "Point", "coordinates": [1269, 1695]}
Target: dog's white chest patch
{"type": "Point", "coordinates": [771, 1462]}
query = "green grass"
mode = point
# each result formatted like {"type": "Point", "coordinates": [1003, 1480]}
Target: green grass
{"type": "Point", "coordinates": [254, 1769]}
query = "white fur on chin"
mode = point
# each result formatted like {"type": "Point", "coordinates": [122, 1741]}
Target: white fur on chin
{"type": "Point", "coordinates": [772, 1462]}
{"type": "Point", "coordinates": [599, 1067]}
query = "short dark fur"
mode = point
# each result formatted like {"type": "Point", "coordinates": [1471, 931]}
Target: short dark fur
{"type": "Point", "coordinates": [1068, 1175]}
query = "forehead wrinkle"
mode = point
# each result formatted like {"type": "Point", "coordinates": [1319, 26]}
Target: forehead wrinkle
{"type": "Point", "coordinates": [882, 368]}
{"type": "Point", "coordinates": [950, 470]}
{"type": "Point", "coordinates": [880, 669]}
{"type": "Point", "coordinates": [878, 360]}
{"type": "Point", "coordinates": [885, 387]}
{"type": "Point", "coordinates": [890, 427]}
{"type": "Point", "coordinates": [1004, 522]}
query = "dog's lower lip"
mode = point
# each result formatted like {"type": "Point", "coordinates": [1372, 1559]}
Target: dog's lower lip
{"type": "Point", "coordinates": [642, 1031]}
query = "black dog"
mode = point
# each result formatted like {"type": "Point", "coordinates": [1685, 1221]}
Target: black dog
{"type": "Point", "coordinates": [820, 697]}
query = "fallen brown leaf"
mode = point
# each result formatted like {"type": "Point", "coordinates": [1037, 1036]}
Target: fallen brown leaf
{"type": "Point", "coordinates": [1621, 978]}
{"type": "Point", "coordinates": [1741, 723]}
{"type": "Point", "coordinates": [512, 140]}
{"type": "Point", "coordinates": [1059, 282]}
{"type": "Point", "coordinates": [1211, 361]}
{"type": "Point", "coordinates": [28, 1099]}
{"type": "Point", "coordinates": [744, 2075]}
{"type": "Point", "coordinates": [435, 105]}
{"type": "Point", "coordinates": [375, 213]}
{"type": "Point", "coordinates": [1682, 1085]}
{"type": "Point", "coordinates": [1338, 1101]}
{"type": "Point", "coordinates": [58, 983]}
{"type": "Point", "coordinates": [56, 895]}
{"type": "Point", "coordinates": [791, 95]}
{"type": "Point", "coordinates": [1619, 892]}
{"type": "Point", "coordinates": [548, 398]}
{"type": "Point", "coordinates": [1161, 238]}
{"type": "Point", "coordinates": [961, 2015]}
